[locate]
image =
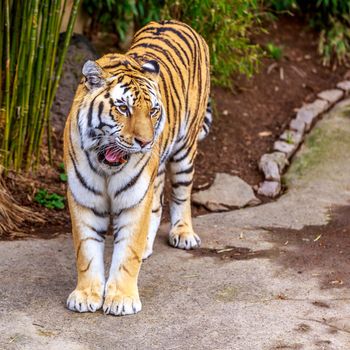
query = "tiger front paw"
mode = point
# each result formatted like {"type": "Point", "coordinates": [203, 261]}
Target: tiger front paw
{"type": "Point", "coordinates": [86, 300]}
{"type": "Point", "coordinates": [119, 304]}
{"type": "Point", "coordinates": [183, 239]}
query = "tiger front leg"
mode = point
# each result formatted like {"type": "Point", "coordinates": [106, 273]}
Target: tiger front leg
{"type": "Point", "coordinates": [130, 235]}
{"type": "Point", "coordinates": [156, 215]}
{"type": "Point", "coordinates": [89, 231]}
{"type": "Point", "coordinates": [181, 234]}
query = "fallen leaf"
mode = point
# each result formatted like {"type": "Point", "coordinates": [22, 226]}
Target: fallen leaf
{"type": "Point", "coordinates": [317, 238]}
{"type": "Point", "coordinates": [281, 296]}
{"type": "Point", "coordinates": [337, 282]}
{"type": "Point", "coordinates": [224, 250]}
{"type": "Point", "coordinates": [265, 133]}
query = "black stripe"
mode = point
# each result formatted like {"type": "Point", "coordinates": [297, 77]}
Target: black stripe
{"type": "Point", "coordinates": [124, 63]}
{"type": "Point", "coordinates": [101, 233]}
{"type": "Point", "coordinates": [156, 210]}
{"type": "Point", "coordinates": [133, 251]}
{"type": "Point", "coordinates": [170, 75]}
{"type": "Point", "coordinates": [116, 233]}
{"type": "Point", "coordinates": [161, 172]}
{"type": "Point", "coordinates": [100, 110]}
{"type": "Point", "coordinates": [92, 167]}
{"type": "Point", "coordinates": [178, 201]}
{"type": "Point", "coordinates": [141, 199]}
{"type": "Point", "coordinates": [179, 150]}
{"type": "Point", "coordinates": [182, 183]}
{"type": "Point", "coordinates": [158, 184]}
{"type": "Point", "coordinates": [182, 157]}
{"type": "Point", "coordinates": [158, 31]}
{"type": "Point", "coordinates": [81, 178]}
{"type": "Point", "coordinates": [92, 107]}
{"type": "Point", "coordinates": [185, 171]}
{"type": "Point", "coordinates": [103, 214]}
{"type": "Point", "coordinates": [177, 222]}
{"type": "Point", "coordinates": [88, 266]}
{"type": "Point", "coordinates": [132, 182]}
{"type": "Point", "coordinates": [167, 42]}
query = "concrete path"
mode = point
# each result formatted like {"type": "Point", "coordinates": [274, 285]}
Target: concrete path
{"type": "Point", "coordinates": [263, 280]}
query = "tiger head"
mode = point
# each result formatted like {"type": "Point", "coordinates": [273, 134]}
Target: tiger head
{"type": "Point", "coordinates": [122, 113]}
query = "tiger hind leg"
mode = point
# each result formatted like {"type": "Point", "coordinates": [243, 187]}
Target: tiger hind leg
{"type": "Point", "coordinates": [207, 121]}
{"type": "Point", "coordinates": [181, 233]}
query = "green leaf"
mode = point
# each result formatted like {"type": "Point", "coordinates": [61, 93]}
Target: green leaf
{"type": "Point", "coordinates": [63, 177]}
{"type": "Point", "coordinates": [49, 200]}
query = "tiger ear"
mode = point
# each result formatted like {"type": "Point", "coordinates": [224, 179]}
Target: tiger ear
{"type": "Point", "coordinates": [152, 68]}
{"type": "Point", "coordinates": [93, 74]}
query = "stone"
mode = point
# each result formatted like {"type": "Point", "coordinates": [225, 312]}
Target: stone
{"type": "Point", "coordinates": [344, 85]}
{"type": "Point", "coordinates": [292, 136]}
{"type": "Point", "coordinates": [297, 125]}
{"type": "Point", "coordinates": [287, 148]}
{"type": "Point", "coordinates": [331, 96]}
{"type": "Point", "coordinates": [227, 192]}
{"type": "Point", "coordinates": [311, 111]}
{"type": "Point", "coordinates": [272, 165]}
{"type": "Point", "coordinates": [270, 189]}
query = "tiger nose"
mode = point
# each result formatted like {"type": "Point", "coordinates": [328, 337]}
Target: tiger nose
{"type": "Point", "coordinates": [142, 142]}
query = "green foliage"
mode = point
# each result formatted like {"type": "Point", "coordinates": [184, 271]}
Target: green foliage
{"type": "Point", "coordinates": [274, 51]}
{"type": "Point", "coordinates": [63, 176]}
{"type": "Point", "coordinates": [30, 70]}
{"type": "Point", "coordinates": [331, 18]}
{"type": "Point", "coordinates": [49, 200]}
{"type": "Point", "coordinates": [280, 5]}
{"type": "Point", "coordinates": [226, 25]}
{"type": "Point", "coordinates": [118, 16]}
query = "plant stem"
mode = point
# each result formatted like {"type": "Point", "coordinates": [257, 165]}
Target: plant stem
{"type": "Point", "coordinates": [7, 82]}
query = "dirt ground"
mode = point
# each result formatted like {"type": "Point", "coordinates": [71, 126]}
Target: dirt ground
{"type": "Point", "coordinates": [316, 247]}
{"type": "Point", "coordinates": [248, 119]}
{"type": "Point", "coordinates": [278, 278]}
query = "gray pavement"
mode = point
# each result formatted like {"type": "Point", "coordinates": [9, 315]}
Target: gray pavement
{"type": "Point", "coordinates": [224, 298]}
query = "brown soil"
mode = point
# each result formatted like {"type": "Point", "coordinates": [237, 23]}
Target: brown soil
{"type": "Point", "coordinates": [264, 104]}
{"type": "Point", "coordinates": [247, 120]}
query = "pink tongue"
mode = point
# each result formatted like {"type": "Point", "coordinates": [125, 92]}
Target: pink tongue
{"type": "Point", "coordinates": [113, 156]}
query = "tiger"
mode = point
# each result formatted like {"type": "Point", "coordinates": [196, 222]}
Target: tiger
{"type": "Point", "coordinates": [133, 117]}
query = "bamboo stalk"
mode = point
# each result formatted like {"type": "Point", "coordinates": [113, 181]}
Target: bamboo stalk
{"type": "Point", "coordinates": [57, 78]}
{"type": "Point", "coordinates": [1, 48]}
{"type": "Point", "coordinates": [50, 74]}
{"type": "Point", "coordinates": [17, 118]}
{"type": "Point", "coordinates": [15, 28]}
{"type": "Point", "coordinates": [53, 88]}
{"type": "Point", "coordinates": [30, 70]}
{"type": "Point", "coordinates": [37, 95]}
{"type": "Point", "coordinates": [7, 81]}
{"type": "Point", "coordinates": [29, 80]}
{"type": "Point", "coordinates": [48, 56]}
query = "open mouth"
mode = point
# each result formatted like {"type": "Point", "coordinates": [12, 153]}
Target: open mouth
{"type": "Point", "coordinates": [113, 157]}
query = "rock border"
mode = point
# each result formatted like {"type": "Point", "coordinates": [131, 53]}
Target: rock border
{"type": "Point", "coordinates": [273, 164]}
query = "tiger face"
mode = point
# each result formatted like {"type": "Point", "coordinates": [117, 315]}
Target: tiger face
{"type": "Point", "coordinates": [122, 113]}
